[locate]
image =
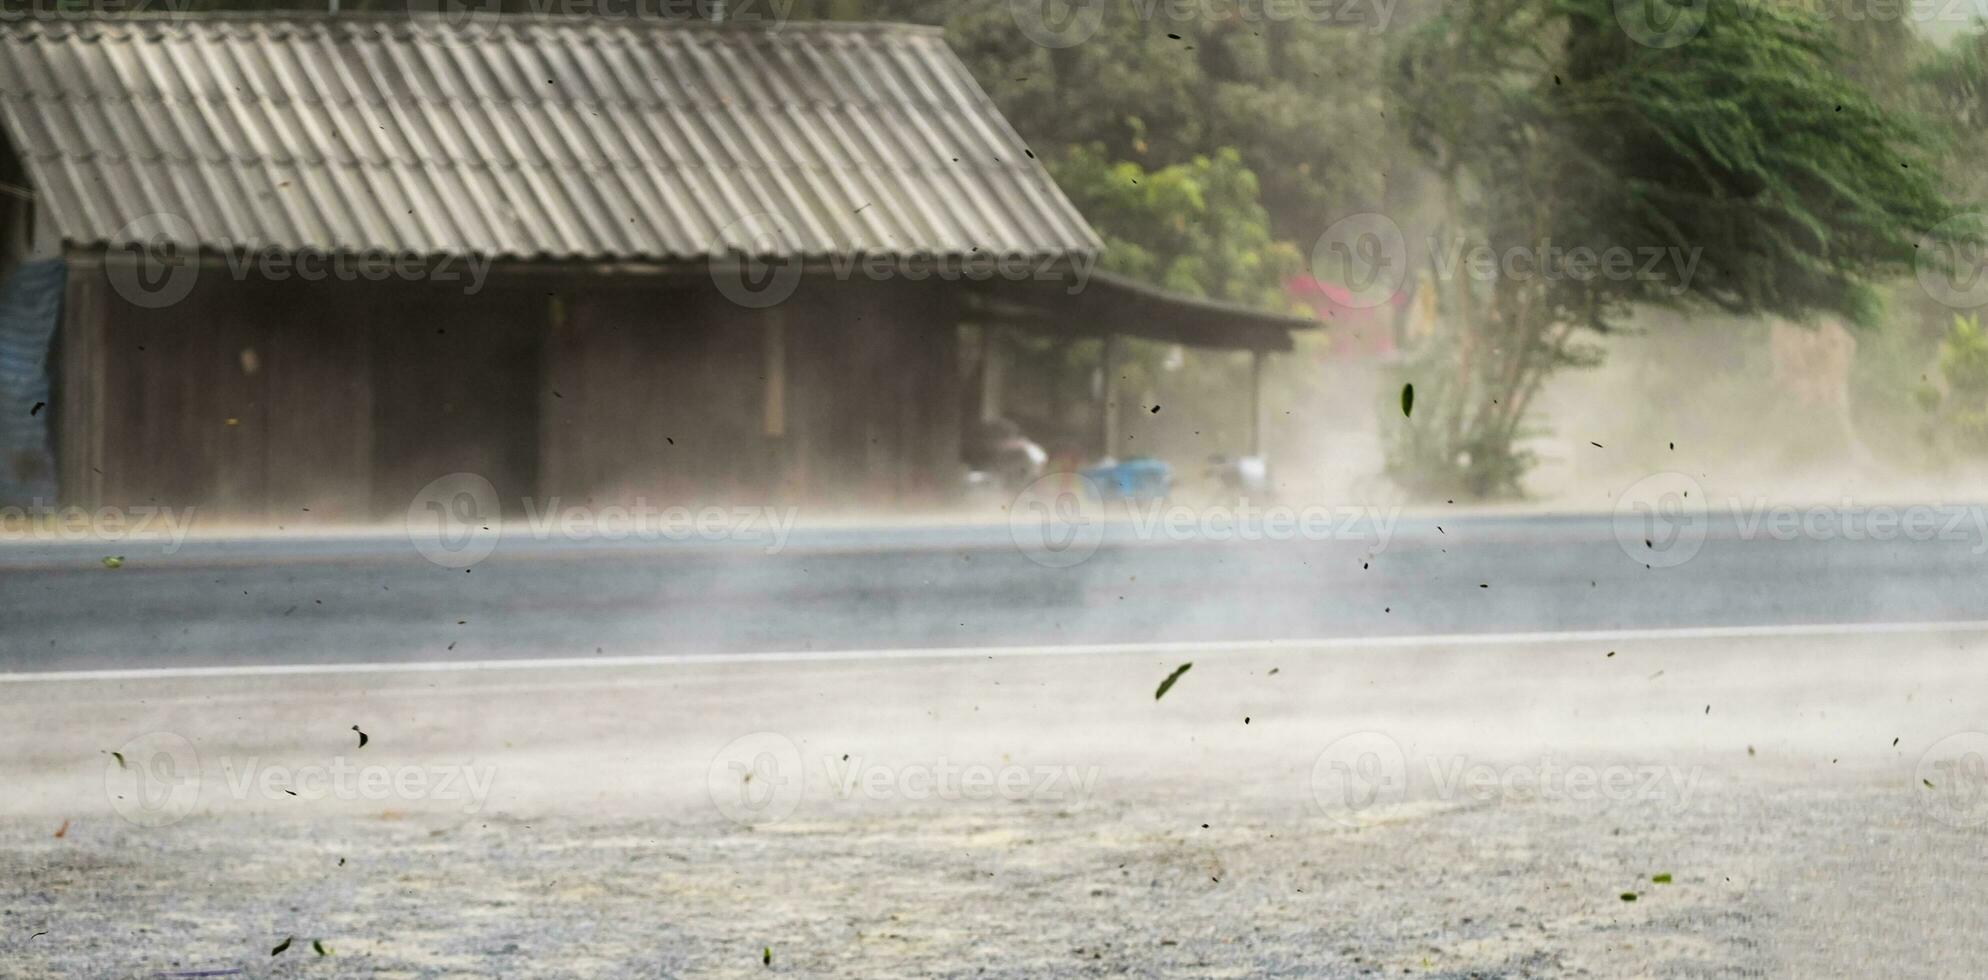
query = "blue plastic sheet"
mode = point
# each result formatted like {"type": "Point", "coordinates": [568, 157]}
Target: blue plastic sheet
{"type": "Point", "coordinates": [30, 307]}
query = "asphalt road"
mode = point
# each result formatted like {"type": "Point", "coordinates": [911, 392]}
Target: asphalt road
{"type": "Point", "coordinates": [1450, 750]}
{"type": "Point", "coordinates": [375, 598]}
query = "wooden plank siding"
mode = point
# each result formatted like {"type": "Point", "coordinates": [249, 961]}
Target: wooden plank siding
{"type": "Point", "coordinates": [348, 398]}
{"type": "Point", "coordinates": [455, 389]}
{"type": "Point", "coordinates": [874, 393]}
{"type": "Point", "coordinates": [658, 397]}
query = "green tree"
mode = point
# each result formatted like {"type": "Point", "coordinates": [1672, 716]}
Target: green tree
{"type": "Point", "coordinates": [1755, 175]}
{"type": "Point", "coordinates": [1960, 411]}
{"type": "Point", "coordinates": [1197, 228]}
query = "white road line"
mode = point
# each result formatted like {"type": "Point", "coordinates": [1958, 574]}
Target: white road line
{"type": "Point", "coordinates": [1070, 650]}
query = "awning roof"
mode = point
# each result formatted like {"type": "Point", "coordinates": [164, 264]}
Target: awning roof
{"type": "Point", "coordinates": [1109, 303]}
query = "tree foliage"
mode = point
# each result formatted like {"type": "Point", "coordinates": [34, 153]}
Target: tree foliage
{"type": "Point", "coordinates": [1749, 171]}
{"type": "Point", "coordinates": [1197, 228]}
{"type": "Point", "coordinates": [1959, 403]}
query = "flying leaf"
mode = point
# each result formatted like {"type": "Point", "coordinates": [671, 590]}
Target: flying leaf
{"type": "Point", "coordinates": [766, 956]}
{"type": "Point", "coordinates": [363, 738]}
{"type": "Point", "coordinates": [318, 945]}
{"type": "Point", "coordinates": [113, 561]}
{"type": "Point", "coordinates": [1408, 400]}
{"type": "Point", "coordinates": [1662, 879]}
{"type": "Point", "coordinates": [1167, 685]}
{"type": "Point", "coordinates": [280, 947]}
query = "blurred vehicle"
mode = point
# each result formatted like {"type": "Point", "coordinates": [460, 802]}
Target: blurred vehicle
{"type": "Point", "coordinates": [998, 453]}
{"type": "Point", "coordinates": [1138, 478]}
{"type": "Point", "coordinates": [1238, 477]}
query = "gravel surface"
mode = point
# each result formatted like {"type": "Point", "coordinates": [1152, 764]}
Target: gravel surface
{"type": "Point", "coordinates": [1533, 789]}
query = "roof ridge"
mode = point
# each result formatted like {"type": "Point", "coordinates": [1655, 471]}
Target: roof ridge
{"type": "Point", "coordinates": [24, 22]}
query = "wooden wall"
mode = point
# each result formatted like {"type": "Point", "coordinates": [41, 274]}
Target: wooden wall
{"type": "Point", "coordinates": [310, 403]}
{"type": "Point", "coordinates": [873, 405]}
{"type": "Point", "coordinates": [653, 393]}
{"type": "Point", "coordinates": [246, 401]}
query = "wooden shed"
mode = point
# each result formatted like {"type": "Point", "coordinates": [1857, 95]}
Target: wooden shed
{"type": "Point", "coordinates": [315, 262]}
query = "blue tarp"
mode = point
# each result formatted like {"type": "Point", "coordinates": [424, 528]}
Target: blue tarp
{"type": "Point", "coordinates": [30, 306]}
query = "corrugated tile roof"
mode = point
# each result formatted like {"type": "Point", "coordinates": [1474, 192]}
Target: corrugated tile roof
{"type": "Point", "coordinates": [522, 137]}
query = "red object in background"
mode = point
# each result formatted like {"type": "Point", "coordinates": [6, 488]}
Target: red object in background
{"type": "Point", "coordinates": [1353, 330]}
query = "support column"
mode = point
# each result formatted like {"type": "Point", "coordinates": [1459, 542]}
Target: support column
{"type": "Point", "coordinates": [1108, 396]}
{"type": "Point", "coordinates": [773, 397]}
{"type": "Point", "coordinates": [80, 387]}
{"type": "Point", "coordinates": [993, 372]}
{"type": "Point", "coordinates": [1256, 421]}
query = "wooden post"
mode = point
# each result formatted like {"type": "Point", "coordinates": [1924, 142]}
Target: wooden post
{"type": "Point", "coordinates": [992, 373]}
{"type": "Point", "coordinates": [555, 460]}
{"type": "Point", "coordinates": [774, 404]}
{"type": "Point", "coordinates": [783, 466]}
{"type": "Point", "coordinates": [1256, 361]}
{"type": "Point", "coordinates": [79, 420]}
{"type": "Point", "coordinates": [1108, 402]}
